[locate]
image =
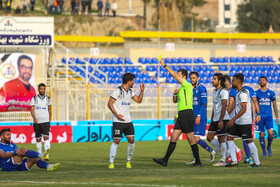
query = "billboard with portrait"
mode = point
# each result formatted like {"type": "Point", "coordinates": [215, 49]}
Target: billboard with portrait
{"type": "Point", "coordinates": [17, 81]}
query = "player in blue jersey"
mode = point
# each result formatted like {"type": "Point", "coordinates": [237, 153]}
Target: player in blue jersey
{"type": "Point", "coordinates": [255, 107]}
{"type": "Point", "coordinates": [12, 158]}
{"type": "Point", "coordinates": [265, 96]}
{"type": "Point", "coordinates": [200, 113]}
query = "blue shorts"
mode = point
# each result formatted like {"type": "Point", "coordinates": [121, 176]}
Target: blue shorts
{"type": "Point", "coordinates": [10, 166]}
{"type": "Point", "coordinates": [267, 122]}
{"type": "Point", "coordinates": [199, 130]}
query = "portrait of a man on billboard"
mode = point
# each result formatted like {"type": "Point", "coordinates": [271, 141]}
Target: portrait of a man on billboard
{"type": "Point", "coordinates": [17, 84]}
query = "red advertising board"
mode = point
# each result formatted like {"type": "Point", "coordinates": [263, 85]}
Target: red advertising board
{"type": "Point", "coordinates": [25, 134]}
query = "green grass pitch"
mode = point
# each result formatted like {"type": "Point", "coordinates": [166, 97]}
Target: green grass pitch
{"type": "Point", "coordinates": [85, 164]}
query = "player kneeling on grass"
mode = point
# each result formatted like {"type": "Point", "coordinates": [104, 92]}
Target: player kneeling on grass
{"type": "Point", "coordinates": [12, 158]}
{"type": "Point", "coordinates": [119, 103]}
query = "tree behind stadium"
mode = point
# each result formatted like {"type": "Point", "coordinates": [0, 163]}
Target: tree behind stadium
{"type": "Point", "coordinates": [257, 16]}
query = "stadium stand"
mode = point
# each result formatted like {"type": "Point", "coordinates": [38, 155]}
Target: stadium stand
{"type": "Point", "coordinates": [146, 69]}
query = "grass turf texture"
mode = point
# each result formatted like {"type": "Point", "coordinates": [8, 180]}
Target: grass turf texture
{"type": "Point", "coordinates": [87, 164]}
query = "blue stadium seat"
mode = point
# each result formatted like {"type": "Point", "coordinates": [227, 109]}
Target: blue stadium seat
{"type": "Point", "coordinates": [213, 59]}
{"type": "Point", "coordinates": [181, 60]}
{"type": "Point", "coordinates": [147, 80]}
{"type": "Point", "coordinates": [225, 59]}
{"type": "Point", "coordinates": [251, 59]}
{"type": "Point", "coordinates": [238, 59]}
{"type": "Point", "coordinates": [167, 60]}
{"type": "Point", "coordinates": [113, 61]}
{"type": "Point", "coordinates": [232, 72]}
{"type": "Point", "coordinates": [194, 60]}
{"type": "Point", "coordinates": [148, 68]}
{"type": "Point", "coordinates": [200, 60]}
{"type": "Point", "coordinates": [220, 60]}
{"type": "Point", "coordinates": [93, 60]}
{"type": "Point", "coordinates": [202, 80]}
{"type": "Point", "coordinates": [90, 69]}
{"type": "Point", "coordinates": [127, 60]}
{"type": "Point", "coordinates": [209, 79]}
{"type": "Point", "coordinates": [79, 61]}
{"type": "Point", "coordinates": [270, 59]}
{"type": "Point", "coordinates": [188, 60]}
{"type": "Point", "coordinates": [245, 59]}
{"type": "Point", "coordinates": [208, 67]}
{"type": "Point", "coordinates": [154, 80]}
{"type": "Point", "coordinates": [223, 68]}
{"type": "Point", "coordinates": [247, 67]}
{"type": "Point", "coordinates": [154, 60]}
{"type": "Point", "coordinates": [232, 59]}
{"type": "Point", "coordinates": [174, 60]}
{"type": "Point", "coordinates": [263, 59]}
{"type": "Point", "coordinates": [63, 60]}
{"type": "Point", "coordinates": [272, 67]}
{"type": "Point", "coordinates": [86, 59]}
{"type": "Point", "coordinates": [148, 60]}
{"type": "Point", "coordinates": [120, 60]}
{"type": "Point", "coordinates": [141, 60]}
{"type": "Point", "coordinates": [257, 59]}
{"type": "Point", "coordinates": [272, 79]}
{"type": "Point", "coordinates": [204, 68]}
{"type": "Point", "coordinates": [252, 73]}
{"type": "Point", "coordinates": [71, 60]}
{"type": "Point", "coordinates": [106, 61]}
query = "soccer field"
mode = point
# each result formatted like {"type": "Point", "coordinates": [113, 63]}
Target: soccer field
{"type": "Point", "coordinates": [85, 164]}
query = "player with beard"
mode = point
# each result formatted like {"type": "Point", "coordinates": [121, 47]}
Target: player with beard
{"type": "Point", "coordinates": [265, 96]}
{"type": "Point", "coordinates": [42, 114]}
{"type": "Point", "coordinates": [219, 118]}
{"type": "Point", "coordinates": [18, 92]}
{"type": "Point", "coordinates": [12, 158]}
{"type": "Point", "coordinates": [200, 114]}
{"type": "Point", "coordinates": [240, 124]}
{"type": "Point", "coordinates": [256, 118]}
{"type": "Point", "coordinates": [119, 104]}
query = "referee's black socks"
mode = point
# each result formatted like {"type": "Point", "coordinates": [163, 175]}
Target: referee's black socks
{"type": "Point", "coordinates": [196, 153]}
{"type": "Point", "coordinates": [169, 151]}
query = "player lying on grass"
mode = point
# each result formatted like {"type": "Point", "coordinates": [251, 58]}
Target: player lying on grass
{"type": "Point", "coordinates": [12, 158]}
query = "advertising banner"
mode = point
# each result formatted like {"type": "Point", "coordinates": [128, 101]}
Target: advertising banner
{"type": "Point", "coordinates": [101, 131]}
{"type": "Point", "coordinates": [17, 81]}
{"type": "Point", "coordinates": [26, 31]}
{"type": "Point", "coordinates": [25, 134]}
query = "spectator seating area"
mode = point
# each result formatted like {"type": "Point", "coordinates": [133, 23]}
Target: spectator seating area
{"type": "Point", "coordinates": [149, 67]}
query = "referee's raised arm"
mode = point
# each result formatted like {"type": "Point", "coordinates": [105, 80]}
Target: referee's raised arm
{"type": "Point", "coordinates": [172, 72]}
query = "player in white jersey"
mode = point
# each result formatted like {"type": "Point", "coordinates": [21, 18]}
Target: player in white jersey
{"type": "Point", "coordinates": [219, 118]}
{"type": "Point", "coordinates": [240, 124]}
{"type": "Point", "coordinates": [119, 104]}
{"type": "Point", "coordinates": [231, 115]}
{"type": "Point", "coordinates": [42, 114]}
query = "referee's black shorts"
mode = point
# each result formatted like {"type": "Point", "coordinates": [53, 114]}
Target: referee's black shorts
{"type": "Point", "coordinates": [185, 121]}
{"type": "Point", "coordinates": [41, 129]}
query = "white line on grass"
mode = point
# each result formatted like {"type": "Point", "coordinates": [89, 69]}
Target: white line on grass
{"type": "Point", "coordinates": [85, 183]}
